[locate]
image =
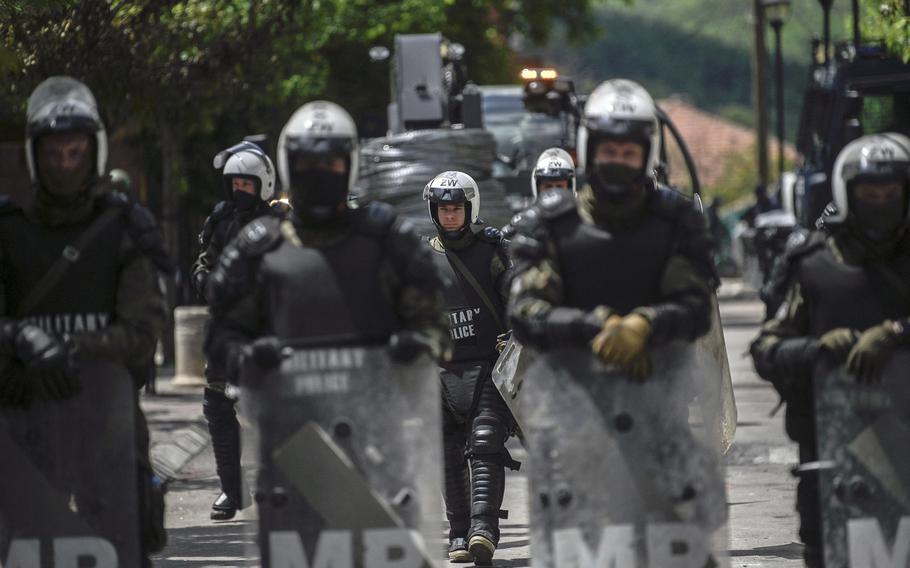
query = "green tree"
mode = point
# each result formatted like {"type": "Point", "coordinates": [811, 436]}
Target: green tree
{"type": "Point", "coordinates": [191, 76]}
{"type": "Point", "coordinates": [886, 20]}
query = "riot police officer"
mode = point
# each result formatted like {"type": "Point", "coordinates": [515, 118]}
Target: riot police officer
{"type": "Point", "coordinates": [249, 183]}
{"type": "Point", "coordinates": [79, 288]}
{"type": "Point", "coordinates": [356, 275]}
{"type": "Point", "coordinates": [847, 298]}
{"type": "Point", "coordinates": [327, 275]}
{"type": "Point", "coordinates": [634, 268]}
{"type": "Point", "coordinates": [476, 421]}
{"type": "Point", "coordinates": [603, 285]}
{"type": "Point", "coordinates": [554, 170]}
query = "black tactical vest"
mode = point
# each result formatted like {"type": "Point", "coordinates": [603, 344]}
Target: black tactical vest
{"type": "Point", "coordinates": [473, 327]}
{"type": "Point", "coordinates": [844, 295]}
{"type": "Point", "coordinates": [329, 293]}
{"type": "Point", "coordinates": [85, 298]}
{"type": "Point", "coordinates": [621, 269]}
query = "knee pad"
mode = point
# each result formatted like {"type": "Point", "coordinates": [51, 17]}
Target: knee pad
{"type": "Point", "coordinates": [488, 435]}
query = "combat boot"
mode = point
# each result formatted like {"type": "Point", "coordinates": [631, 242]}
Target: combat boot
{"type": "Point", "coordinates": [225, 507]}
{"type": "Point", "coordinates": [458, 551]}
{"type": "Point", "coordinates": [481, 548]}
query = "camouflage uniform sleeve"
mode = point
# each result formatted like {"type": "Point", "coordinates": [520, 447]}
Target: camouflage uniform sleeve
{"type": "Point", "coordinates": [139, 317]}
{"type": "Point", "coordinates": [501, 270]}
{"type": "Point", "coordinates": [684, 312]}
{"type": "Point", "coordinates": [416, 289]}
{"type": "Point", "coordinates": [535, 310]}
{"type": "Point", "coordinates": [784, 349]}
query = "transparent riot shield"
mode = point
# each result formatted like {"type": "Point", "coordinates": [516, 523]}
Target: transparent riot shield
{"type": "Point", "coordinates": [68, 481]}
{"type": "Point", "coordinates": [863, 440]}
{"type": "Point", "coordinates": [713, 398]}
{"type": "Point", "coordinates": [618, 476]}
{"type": "Point", "coordinates": [713, 406]}
{"type": "Point", "coordinates": [349, 461]}
{"type": "Point", "coordinates": [508, 375]}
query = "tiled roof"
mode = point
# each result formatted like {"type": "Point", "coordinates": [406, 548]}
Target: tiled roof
{"type": "Point", "coordinates": [712, 140]}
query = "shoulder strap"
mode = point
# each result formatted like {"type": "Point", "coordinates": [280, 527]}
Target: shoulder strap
{"type": "Point", "coordinates": [463, 270]}
{"type": "Point", "coordinates": [68, 257]}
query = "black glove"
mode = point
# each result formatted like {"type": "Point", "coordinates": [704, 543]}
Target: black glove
{"type": "Point", "coordinates": [406, 346]}
{"type": "Point", "coordinates": [48, 360]}
{"type": "Point", "coordinates": [265, 353]}
{"type": "Point", "coordinates": [573, 327]}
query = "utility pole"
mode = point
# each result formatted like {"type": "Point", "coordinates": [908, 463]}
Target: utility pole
{"type": "Point", "coordinates": [760, 91]}
{"type": "Point", "coordinates": [779, 96]}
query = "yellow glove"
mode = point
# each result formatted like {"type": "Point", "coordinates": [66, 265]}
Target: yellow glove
{"type": "Point", "coordinates": [622, 342]}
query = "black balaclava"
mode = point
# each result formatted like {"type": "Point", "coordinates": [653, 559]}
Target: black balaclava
{"type": "Point", "coordinates": [878, 222]}
{"type": "Point", "coordinates": [244, 201]}
{"type": "Point", "coordinates": [318, 195]}
{"type": "Point", "coordinates": [616, 183]}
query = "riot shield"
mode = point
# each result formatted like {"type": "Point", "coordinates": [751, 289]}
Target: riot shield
{"type": "Point", "coordinates": [508, 375]}
{"type": "Point", "coordinates": [863, 435]}
{"type": "Point", "coordinates": [618, 477]}
{"type": "Point", "coordinates": [68, 483]}
{"type": "Point", "coordinates": [349, 461]}
{"type": "Point", "coordinates": [713, 405]}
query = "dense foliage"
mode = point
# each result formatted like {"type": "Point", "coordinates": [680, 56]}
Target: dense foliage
{"type": "Point", "coordinates": [189, 77]}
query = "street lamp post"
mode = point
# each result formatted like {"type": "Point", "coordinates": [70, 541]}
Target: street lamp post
{"type": "Point", "coordinates": [776, 12]}
{"type": "Point", "coordinates": [760, 91]}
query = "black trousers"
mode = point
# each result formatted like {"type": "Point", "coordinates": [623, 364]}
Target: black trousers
{"type": "Point", "coordinates": [476, 425]}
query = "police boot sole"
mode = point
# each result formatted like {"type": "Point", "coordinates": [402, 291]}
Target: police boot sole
{"type": "Point", "coordinates": [223, 514]}
{"type": "Point", "coordinates": [460, 556]}
{"type": "Point", "coordinates": [482, 549]}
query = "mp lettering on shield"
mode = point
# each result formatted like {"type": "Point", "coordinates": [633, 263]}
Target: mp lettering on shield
{"type": "Point", "coordinates": [382, 548]}
{"type": "Point", "coordinates": [667, 545]}
{"type": "Point", "coordinates": [70, 552]}
{"type": "Point", "coordinates": [323, 371]}
{"type": "Point", "coordinates": [462, 322]}
{"type": "Point", "coordinates": [868, 548]}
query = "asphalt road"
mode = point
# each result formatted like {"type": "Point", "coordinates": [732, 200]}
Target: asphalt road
{"type": "Point", "coordinates": [763, 524]}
